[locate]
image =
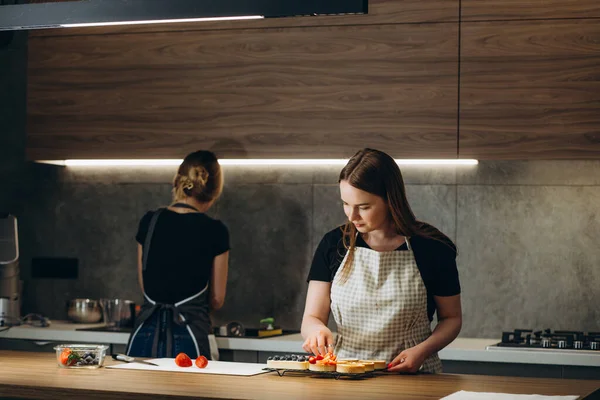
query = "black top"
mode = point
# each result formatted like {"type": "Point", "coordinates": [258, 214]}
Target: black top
{"type": "Point", "coordinates": [436, 262]}
{"type": "Point", "coordinates": [181, 255]}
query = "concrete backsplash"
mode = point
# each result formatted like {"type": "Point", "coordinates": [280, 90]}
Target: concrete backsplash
{"type": "Point", "coordinates": [527, 234]}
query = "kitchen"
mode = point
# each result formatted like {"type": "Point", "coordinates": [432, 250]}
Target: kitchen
{"type": "Point", "coordinates": [524, 219]}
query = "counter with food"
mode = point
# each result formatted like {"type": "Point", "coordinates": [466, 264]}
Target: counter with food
{"type": "Point", "coordinates": [226, 381]}
{"type": "Point", "coordinates": [462, 349]}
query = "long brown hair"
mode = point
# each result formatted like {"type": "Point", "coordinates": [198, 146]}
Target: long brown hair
{"type": "Point", "coordinates": [199, 176]}
{"type": "Point", "coordinates": [375, 172]}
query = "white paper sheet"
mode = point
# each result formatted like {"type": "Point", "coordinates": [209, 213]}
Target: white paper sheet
{"type": "Point", "coordinates": [463, 395]}
{"type": "Point", "coordinates": [213, 367]}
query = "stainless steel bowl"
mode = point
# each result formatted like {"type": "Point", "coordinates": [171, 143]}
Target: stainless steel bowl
{"type": "Point", "coordinates": [84, 311]}
{"type": "Point", "coordinates": [118, 313]}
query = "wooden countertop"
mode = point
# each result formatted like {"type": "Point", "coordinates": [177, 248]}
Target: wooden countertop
{"type": "Point", "coordinates": [36, 376]}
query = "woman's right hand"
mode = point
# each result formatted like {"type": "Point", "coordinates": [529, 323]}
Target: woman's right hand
{"type": "Point", "coordinates": [320, 341]}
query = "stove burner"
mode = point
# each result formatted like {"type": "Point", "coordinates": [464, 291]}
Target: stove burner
{"type": "Point", "coordinates": [548, 339]}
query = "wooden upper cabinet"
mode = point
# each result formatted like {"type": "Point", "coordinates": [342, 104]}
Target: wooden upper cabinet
{"type": "Point", "coordinates": [530, 89]}
{"type": "Point", "coordinates": [487, 10]}
{"type": "Point", "coordinates": [380, 12]}
{"type": "Point", "coordinates": [307, 92]}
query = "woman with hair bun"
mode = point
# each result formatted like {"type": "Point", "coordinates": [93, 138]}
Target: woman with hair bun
{"type": "Point", "coordinates": [383, 275]}
{"type": "Point", "coordinates": [182, 266]}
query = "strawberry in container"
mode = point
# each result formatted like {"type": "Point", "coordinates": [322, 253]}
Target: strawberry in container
{"type": "Point", "coordinates": [80, 355]}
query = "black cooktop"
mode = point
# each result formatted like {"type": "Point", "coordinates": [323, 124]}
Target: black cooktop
{"type": "Point", "coordinates": [107, 329]}
{"type": "Point", "coordinates": [549, 339]}
{"type": "Point", "coordinates": [249, 332]}
{"type": "Point", "coordinates": [253, 333]}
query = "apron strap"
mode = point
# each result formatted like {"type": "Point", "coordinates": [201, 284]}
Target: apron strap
{"type": "Point", "coordinates": [165, 309]}
{"type": "Point", "coordinates": [407, 240]}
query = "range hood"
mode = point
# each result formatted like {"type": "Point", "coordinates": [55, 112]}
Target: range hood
{"type": "Point", "coordinates": [65, 14]}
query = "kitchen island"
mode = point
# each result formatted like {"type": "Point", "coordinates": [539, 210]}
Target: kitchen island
{"type": "Point", "coordinates": [37, 376]}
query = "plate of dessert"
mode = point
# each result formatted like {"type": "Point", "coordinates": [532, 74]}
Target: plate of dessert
{"type": "Point", "coordinates": [324, 366]}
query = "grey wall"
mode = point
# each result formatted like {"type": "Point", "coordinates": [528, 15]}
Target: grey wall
{"type": "Point", "coordinates": [527, 232]}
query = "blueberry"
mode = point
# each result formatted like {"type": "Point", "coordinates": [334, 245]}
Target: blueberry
{"type": "Point", "coordinates": [94, 362]}
{"type": "Point", "coordinates": [270, 359]}
{"type": "Point", "coordinates": [88, 359]}
{"type": "Point", "coordinates": [294, 357]}
{"type": "Point", "coordinates": [275, 358]}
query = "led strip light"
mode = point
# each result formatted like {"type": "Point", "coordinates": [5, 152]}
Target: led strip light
{"type": "Point", "coordinates": [231, 161]}
{"type": "Point", "coordinates": [162, 21]}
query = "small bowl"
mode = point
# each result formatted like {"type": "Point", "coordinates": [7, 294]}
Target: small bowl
{"type": "Point", "coordinates": [87, 356]}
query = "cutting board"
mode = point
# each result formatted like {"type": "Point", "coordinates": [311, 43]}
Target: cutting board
{"type": "Point", "coordinates": [213, 367]}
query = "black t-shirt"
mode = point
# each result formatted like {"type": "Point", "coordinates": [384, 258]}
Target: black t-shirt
{"type": "Point", "coordinates": [436, 262]}
{"type": "Point", "coordinates": [182, 251]}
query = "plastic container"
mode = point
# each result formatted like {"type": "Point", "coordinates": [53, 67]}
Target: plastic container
{"type": "Point", "coordinates": [87, 356]}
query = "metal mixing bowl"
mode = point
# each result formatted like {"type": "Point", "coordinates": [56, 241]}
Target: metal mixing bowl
{"type": "Point", "coordinates": [84, 311]}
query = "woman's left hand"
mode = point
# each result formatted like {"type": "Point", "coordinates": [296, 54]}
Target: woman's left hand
{"type": "Point", "coordinates": [409, 360]}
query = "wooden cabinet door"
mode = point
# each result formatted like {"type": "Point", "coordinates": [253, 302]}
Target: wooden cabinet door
{"type": "Point", "coordinates": [488, 10]}
{"type": "Point", "coordinates": [530, 90]}
{"type": "Point", "coordinates": [306, 92]}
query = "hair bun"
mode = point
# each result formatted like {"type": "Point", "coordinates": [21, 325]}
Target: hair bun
{"type": "Point", "coordinates": [186, 183]}
{"type": "Point", "coordinates": [198, 176]}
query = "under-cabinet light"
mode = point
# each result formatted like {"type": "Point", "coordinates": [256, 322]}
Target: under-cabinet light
{"type": "Point", "coordinates": [232, 161]}
{"type": "Point", "coordinates": [83, 13]}
{"type": "Point", "coordinates": [161, 21]}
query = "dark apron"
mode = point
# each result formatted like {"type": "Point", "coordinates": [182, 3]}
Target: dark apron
{"type": "Point", "coordinates": [191, 314]}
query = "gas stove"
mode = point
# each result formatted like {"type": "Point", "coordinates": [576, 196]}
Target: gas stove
{"type": "Point", "coordinates": [549, 340]}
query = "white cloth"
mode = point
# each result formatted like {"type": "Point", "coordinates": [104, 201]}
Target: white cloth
{"type": "Point", "coordinates": [381, 309]}
{"type": "Point", "coordinates": [214, 348]}
{"type": "Point", "coordinates": [463, 395]}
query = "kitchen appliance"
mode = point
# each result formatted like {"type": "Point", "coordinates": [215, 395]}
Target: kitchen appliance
{"type": "Point", "coordinates": [112, 329]}
{"type": "Point", "coordinates": [118, 313]}
{"type": "Point", "coordinates": [10, 284]}
{"type": "Point", "coordinates": [549, 340]}
{"type": "Point", "coordinates": [85, 311]}
{"type": "Point", "coordinates": [4, 305]}
{"type": "Point", "coordinates": [233, 329]}
{"type": "Point", "coordinates": [254, 333]}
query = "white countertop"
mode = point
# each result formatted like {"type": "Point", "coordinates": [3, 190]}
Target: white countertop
{"type": "Point", "coordinates": [462, 349]}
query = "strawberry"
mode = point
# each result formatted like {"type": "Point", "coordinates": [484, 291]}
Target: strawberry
{"type": "Point", "coordinates": [183, 360]}
{"type": "Point", "coordinates": [68, 358]}
{"type": "Point", "coordinates": [201, 362]}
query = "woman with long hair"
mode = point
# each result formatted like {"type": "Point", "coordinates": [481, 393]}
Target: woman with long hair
{"type": "Point", "coordinates": [182, 266]}
{"type": "Point", "coordinates": [383, 275]}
